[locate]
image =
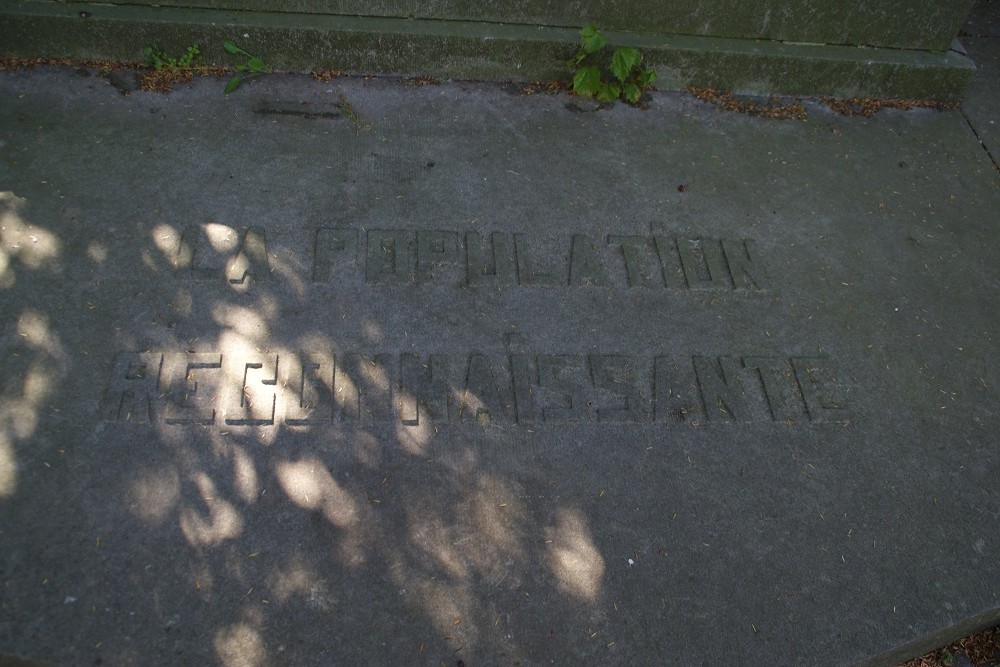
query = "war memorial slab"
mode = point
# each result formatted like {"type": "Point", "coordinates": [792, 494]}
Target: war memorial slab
{"type": "Point", "coordinates": [363, 372]}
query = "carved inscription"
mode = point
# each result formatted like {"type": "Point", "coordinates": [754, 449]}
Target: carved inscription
{"type": "Point", "coordinates": [394, 256]}
{"type": "Point", "coordinates": [315, 388]}
{"type": "Point", "coordinates": [214, 252]}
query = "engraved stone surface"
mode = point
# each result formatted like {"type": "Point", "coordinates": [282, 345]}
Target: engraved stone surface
{"type": "Point", "coordinates": [483, 378]}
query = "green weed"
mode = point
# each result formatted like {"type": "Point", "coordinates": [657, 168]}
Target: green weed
{"type": "Point", "coordinates": [160, 61]}
{"type": "Point", "coordinates": [254, 66]}
{"type": "Point", "coordinates": [628, 79]}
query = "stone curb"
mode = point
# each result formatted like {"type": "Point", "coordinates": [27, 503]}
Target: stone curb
{"type": "Point", "coordinates": [470, 50]}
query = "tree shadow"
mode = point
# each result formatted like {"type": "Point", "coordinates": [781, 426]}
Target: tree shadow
{"type": "Point", "coordinates": [244, 493]}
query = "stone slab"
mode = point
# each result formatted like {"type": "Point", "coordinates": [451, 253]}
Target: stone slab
{"type": "Point", "coordinates": [363, 372]}
{"type": "Point", "coordinates": [983, 20]}
{"type": "Point", "coordinates": [473, 50]}
{"type": "Point", "coordinates": [900, 24]}
{"type": "Point", "coordinates": [982, 103]}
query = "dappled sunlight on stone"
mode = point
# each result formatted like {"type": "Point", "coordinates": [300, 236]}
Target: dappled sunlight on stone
{"type": "Point", "coordinates": [573, 556]}
{"type": "Point", "coordinates": [309, 485]}
{"type": "Point", "coordinates": [41, 364]}
{"type": "Point", "coordinates": [223, 522]}
{"type": "Point", "coordinates": [38, 383]}
{"type": "Point", "coordinates": [495, 513]}
{"type": "Point", "coordinates": [34, 328]}
{"type": "Point", "coordinates": [97, 252]}
{"type": "Point", "coordinates": [168, 241]}
{"type": "Point", "coordinates": [344, 390]}
{"type": "Point", "coordinates": [154, 493]}
{"type": "Point", "coordinates": [367, 449]}
{"type": "Point", "coordinates": [240, 645]}
{"type": "Point", "coordinates": [22, 242]}
{"type": "Point", "coordinates": [373, 332]}
{"type": "Point", "coordinates": [464, 539]}
{"type": "Point", "coordinates": [249, 323]}
{"type": "Point", "coordinates": [8, 471]}
{"type": "Point", "coordinates": [295, 578]}
{"type": "Point", "coordinates": [222, 238]}
{"type": "Point", "coordinates": [436, 536]}
{"type": "Point", "coordinates": [452, 608]}
{"type": "Point", "coordinates": [245, 479]}
{"type": "Point", "coordinates": [415, 438]}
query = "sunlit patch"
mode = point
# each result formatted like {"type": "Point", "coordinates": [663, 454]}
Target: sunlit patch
{"type": "Point", "coordinates": [244, 321]}
{"type": "Point", "coordinates": [223, 522]}
{"type": "Point", "coordinates": [344, 390]}
{"type": "Point", "coordinates": [239, 645]}
{"type": "Point", "coordinates": [436, 538]}
{"type": "Point", "coordinates": [372, 331]}
{"type": "Point", "coordinates": [222, 238]}
{"type": "Point", "coordinates": [415, 438]}
{"type": "Point", "coordinates": [21, 417]}
{"type": "Point", "coordinates": [8, 469]}
{"type": "Point", "coordinates": [37, 384]}
{"type": "Point", "coordinates": [573, 557]}
{"type": "Point", "coordinates": [309, 484]}
{"type": "Point", "coordinates": [32, 246]}
{"type": "Point", "coordinates": [168, 241]}
{"type": "Point", "coordinates": [294, 579]}
{"type": "Point", "coordinates": [367, 449]}
{"type": "Point", "coordinates": [472, 407]}
{"type": "Point", "coordinates": [97, 252]}
{"type": "Point", "coordinates": [494, 512]}
{"type": "Point", "coordinates": [374, 376]}
{"type": "Point", "coordinates": [300, 580]}
{"type": "Point", "coordinates": [154, 493]}
{"type": "Point", "coordinates": [33, 328]}
{"type": "Point", "coordinates": [450, 607]}
{"type": "Point", "coordinates": [245, 476]}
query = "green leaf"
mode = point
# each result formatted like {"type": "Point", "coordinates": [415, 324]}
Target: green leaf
{"type": "Point", "coordinates": [646, 78]}
{"type": "Point", "coordinates": [609, 92]}
{"type": "Point", "coordinates": [256, 64]}
{"type": "Point", "coordinates": [233, 84]}
{"type": "Point", "coordinates": [587, 81]}
{"type": "Point", "coordinates": [230, 46]}
{"type": "Point", "coordinates": [591, 39]}
{"type": "Point", "coordinates": [623, 61]}
{"type": "Point", "coordinates": [577, 58]}
{"type": "Point", "coordinates": [632, 93]}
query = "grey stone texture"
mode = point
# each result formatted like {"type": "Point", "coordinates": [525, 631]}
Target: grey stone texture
{"type": "Point", "coordinates": [901, 24]}
{"type": "Point", "coordinates": [364, 372]}
{"type": "Point", "coordinates": [720, 51]}
{"type": "Point", "coordinates": [981, 35]}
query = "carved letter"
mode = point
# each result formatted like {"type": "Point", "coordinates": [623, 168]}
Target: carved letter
{"type": "Point", "coordinates": [703, 264]}
{"type": "Point", "coordinates": [425, 388]}
{"type": "Point", "coordinates": [435, 250]}
{"type": "Point", "coordinates": [745, 269]}
{"type": "Point", "coordinates": [722, 393]}
{"type": "Point", "coordinates": [497, 268]}
{"type": "Point", "coordinates": [825, 395]}
{"type": "Point", "coordinates": [188, 378]}
{"type": "Point", "coordinates": [131, 391]}
{"type": "Point", "coordinates": [585, 266]}
{"type": "Point", "coordinates": [254, 404]}
{"type": "Point", "coordinates": [390, 256]}
{"type": "Point", "coordinates": [334, 246]}
{"type": "Point", "coordinates": [250, 260]}
{"type": "Point", "coordinates": [309, 389]}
